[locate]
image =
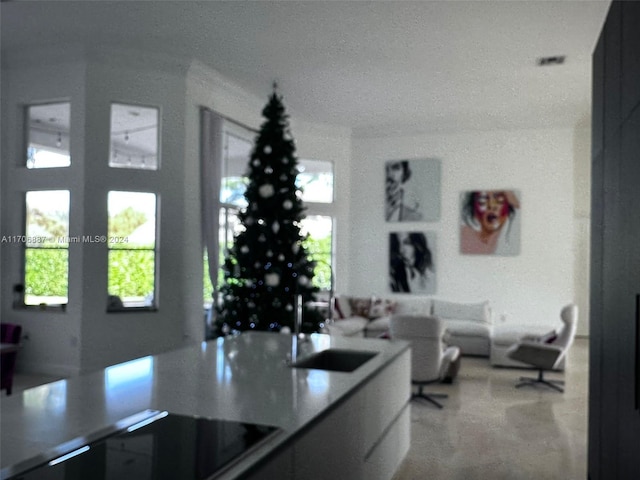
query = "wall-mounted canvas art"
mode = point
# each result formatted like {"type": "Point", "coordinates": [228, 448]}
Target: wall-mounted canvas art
{"type": "Point", "coordinates": [490, 222]}
{"type": "Point", "coordinates": [412, 262]}
{"type": "Point", "coordinates": [412, 190]}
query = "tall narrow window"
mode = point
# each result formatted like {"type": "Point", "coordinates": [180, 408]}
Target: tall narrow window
{"type": "Point", "coordinates": [46, 270]}
{"type": "Point", "coordinates": [132, 250]}
{"type": "Point", "coordinates": [235, 161]}
{"type": "Point", "coordinates": [319, 229]}
{"type": "Point", "coordinates": [134, 137]}
{"type": "Point", "coordinates": [48, 135]}
{"type": "Point", "coordinates": [316, 180]}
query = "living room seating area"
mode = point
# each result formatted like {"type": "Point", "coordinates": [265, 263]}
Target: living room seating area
{"type": "Point", "coordinates": [469, 326]}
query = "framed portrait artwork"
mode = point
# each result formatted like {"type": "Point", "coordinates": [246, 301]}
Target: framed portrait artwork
{"type": "Point", "coordinates": [412, 262]}
{"type": "Point", "coordinates": [412, 190]}
{"type": "Point", "coordinates": [490, 222]}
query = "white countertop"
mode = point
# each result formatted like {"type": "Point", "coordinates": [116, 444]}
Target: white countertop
{"type": "Point", "coordinates": [243, 378]}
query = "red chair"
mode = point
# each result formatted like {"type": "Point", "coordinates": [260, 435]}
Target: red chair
{"type": "Point", "coordinates": [9, 334]}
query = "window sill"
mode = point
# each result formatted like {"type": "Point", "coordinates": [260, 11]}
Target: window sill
{"type": "Point", "coordinates": [42, 307]}
{"type": "Point", "coordinates": [132, 309]}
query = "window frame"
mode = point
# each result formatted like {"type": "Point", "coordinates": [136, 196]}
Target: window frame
{"type": "Point", "coordinates": [28, 140]}
{"type": "Point", "coordinates": [113, 151]}
{"type": "Point", "coordinates": [112, 306]}
{"type": "Point", "coordinates": [21, 289]}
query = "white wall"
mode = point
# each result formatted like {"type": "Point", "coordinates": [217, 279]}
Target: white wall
{"type": "Point", "coordinates": [52, 337]}
{"type": "Point", "coordinates": [529, 288]}
{"type": "Point", "coordinates": [85, 336]}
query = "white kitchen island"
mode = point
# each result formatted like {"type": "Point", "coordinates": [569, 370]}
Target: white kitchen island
{"type": "Point", "coordinates": [331, 424]}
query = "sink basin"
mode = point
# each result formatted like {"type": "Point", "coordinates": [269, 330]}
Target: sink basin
{"type": "Point", "coordinates": [336, 360]}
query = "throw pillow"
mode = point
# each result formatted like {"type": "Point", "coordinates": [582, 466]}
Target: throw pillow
{"type": "Point", "coordinates": [360, 306]}
{"type": "Point", "coordinates": [381, 308]}
{"type": "Point", "coordinates": [338, 313]}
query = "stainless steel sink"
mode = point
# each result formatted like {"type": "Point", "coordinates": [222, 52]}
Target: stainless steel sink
{"type": "Point", "coordinates": [336, 360]}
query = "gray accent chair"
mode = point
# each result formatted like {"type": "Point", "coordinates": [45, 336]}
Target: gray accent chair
{"type": "Point", "coordinates": [546, 352]}
{"type": "Point", "coordinates": [430, 357]}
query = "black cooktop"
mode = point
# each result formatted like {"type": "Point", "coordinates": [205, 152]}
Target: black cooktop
{"type": "Point", "coordinates": [165, 447]}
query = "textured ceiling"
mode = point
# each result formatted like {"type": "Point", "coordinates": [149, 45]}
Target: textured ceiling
{"type": "Point", "coordinates": [387, 67]}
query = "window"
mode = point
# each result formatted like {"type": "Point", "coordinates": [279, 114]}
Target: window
{"type": "Point", "coordinates": [134, 137]}
{"type": "Point", "coordinates": [315, 177]}
{"type": "Point", "coordinates": [132, 244]}
{"type": "Point", "coordinates": [319, 245]}
{"type": "Point", "coordinates": [46, 269]}
{"type": "Point", "coordinates": [237, 151]}
{"type": "Point", "coordinates": [316, 180]}
{"type": "Point", "coordinates": [48, 135]}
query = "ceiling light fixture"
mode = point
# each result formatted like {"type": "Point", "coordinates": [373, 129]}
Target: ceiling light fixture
{"type": "Point", "coordinates": [552, 60]}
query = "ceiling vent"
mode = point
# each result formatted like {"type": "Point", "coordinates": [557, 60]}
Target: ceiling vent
{"type": "Point", "coordinates": [549, 61]}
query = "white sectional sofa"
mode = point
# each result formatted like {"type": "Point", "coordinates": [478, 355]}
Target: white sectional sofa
{"type": "Point", "coordinates": [469, 325]}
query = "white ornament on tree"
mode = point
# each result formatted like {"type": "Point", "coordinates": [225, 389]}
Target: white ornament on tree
{"type": "Point", "coordinates": [275, 227]}
{"type": "Point", "coordinates": [287, 204]}
{"type": "Point", "coordinates": [281, 257]}
{"type": "Point", "coordinates": [244, 249]}
{"type": "Point", "coordinates": [303, 280]}
{"type": "Point", "coordinates": [255, 162]}
{"type": "Point", "coordinates": [248, 221]}
{"type": "Point", "coordinates": [268, 170]}
{"type": "Point", "coordinates": [289, 307]}
{"type": "Point", "coordinates": [267, 149]}
{"type": "Point", "coordinates": [266, 190]}
{"type": "Point", "coordinates": [272, 279]}
{"type": "Point", "coordinates": [295, 248]}
{"type": "Point", "coordinates": [262, 238]}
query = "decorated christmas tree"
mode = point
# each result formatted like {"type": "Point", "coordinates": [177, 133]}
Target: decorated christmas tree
{"type": "Point", "coordinates": [268, 266]}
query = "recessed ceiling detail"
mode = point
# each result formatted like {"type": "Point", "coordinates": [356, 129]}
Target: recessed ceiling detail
{"type": "Point", "coordinates": [552, 60]}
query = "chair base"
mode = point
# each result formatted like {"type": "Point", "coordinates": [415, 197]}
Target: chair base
{"type": "Point", "coordinates": [530, 381]}
{"type": "Point", "coordinates": [430, 397]}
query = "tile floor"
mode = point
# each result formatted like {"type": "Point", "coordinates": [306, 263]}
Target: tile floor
{"type": "Point", "coordinates": [490, 430]}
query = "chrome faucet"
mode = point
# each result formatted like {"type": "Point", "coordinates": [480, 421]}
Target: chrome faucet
{"type": "Point", "coordinates": [298, 319]}
{"type": "Point", "coordinates": [298, 337]}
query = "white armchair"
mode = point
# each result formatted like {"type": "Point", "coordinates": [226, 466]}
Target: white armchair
{"type": "Point", "coordinates": [546, 352]}
{"type": "Point", "coordinates": [430, 357]}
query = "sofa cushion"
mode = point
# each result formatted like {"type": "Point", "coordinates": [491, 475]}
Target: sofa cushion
{"type": "Point", "coordinates": [347, 327]}
{"type": "Point", "coordinates": [381, 307]}
{"type": "Point", "coordinates": [413, 306]}
{"type": "Point", "coordinates": [341, 308]}
{"type": "Point", "coordinates": [360, 307]}
{"type": "Point", "coordinates": [380, 324]}
{"type": "Point", "coordinates": [477, 312]}
{"type": "Point", "coordinates": [465, 328]}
